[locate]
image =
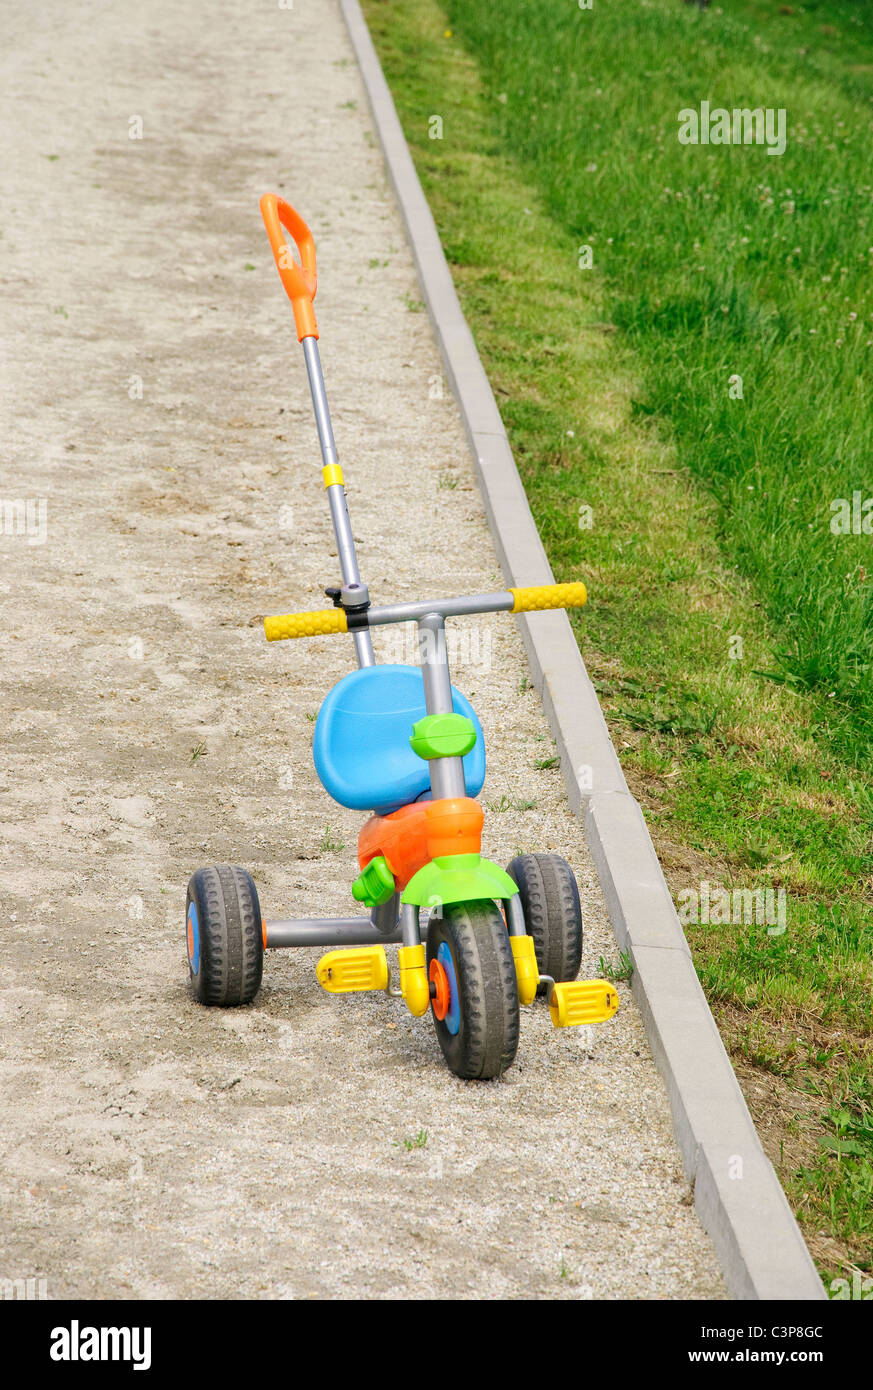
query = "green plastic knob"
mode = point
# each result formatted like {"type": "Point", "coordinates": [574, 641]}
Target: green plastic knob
{"type": "Point", "coordinates": [443, 736]}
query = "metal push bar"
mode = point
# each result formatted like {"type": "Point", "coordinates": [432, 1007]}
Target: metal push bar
{"type": "Point", "coordinates": [300, 283]}
{"type": "Point", "coordinates": [336, 492]}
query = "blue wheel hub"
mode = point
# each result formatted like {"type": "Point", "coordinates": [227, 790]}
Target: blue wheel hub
{"type": "Point", "coordinates": [193, 935]}
{"type": "Point", "coordinates": [452, 1019]}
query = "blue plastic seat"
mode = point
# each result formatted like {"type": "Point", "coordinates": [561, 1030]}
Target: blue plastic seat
{"type": "Point", "coordinates": [361, 745]}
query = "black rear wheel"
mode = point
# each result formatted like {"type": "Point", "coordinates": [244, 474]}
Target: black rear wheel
{"type": "Point", "coordinates": [552, 912]}
{"type": "Point", "coordinates": [225, 936]}
{"type": "Point", "coordinates": [476, 1005]}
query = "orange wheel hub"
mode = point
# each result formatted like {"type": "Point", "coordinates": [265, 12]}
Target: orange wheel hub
{"type": "Point", "coordinates": [443, 997]}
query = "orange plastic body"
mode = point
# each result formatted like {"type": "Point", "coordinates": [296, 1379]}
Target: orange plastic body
{"type": "Point", "coordinates": [413, 836]}
{"type": "Point", "coordinates": [300, 281]}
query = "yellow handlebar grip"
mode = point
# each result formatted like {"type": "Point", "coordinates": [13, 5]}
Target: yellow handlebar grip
{"type": "Point", "coordinates": [549, 596]}
{"type": "Point", "coordinates": [306, 624]}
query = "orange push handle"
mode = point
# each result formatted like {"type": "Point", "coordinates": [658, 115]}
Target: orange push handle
{"type": "Point", "coordinates": [299, 280]}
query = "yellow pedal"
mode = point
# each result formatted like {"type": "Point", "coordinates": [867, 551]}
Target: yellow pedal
{"type": "Point", "coordinates": [347, 972]}
{"type": "Point", "coordinates": [582, 1001]}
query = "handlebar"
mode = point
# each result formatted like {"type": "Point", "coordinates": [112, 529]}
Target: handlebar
{"type": "Point", "coordinates": [319, 624]}
{"type": "Point", "coordinates": [299, 281]}
{"type": "Point", "coordinates": [549, 596]}
{"type": "Point", "coordinates": [330, 620]}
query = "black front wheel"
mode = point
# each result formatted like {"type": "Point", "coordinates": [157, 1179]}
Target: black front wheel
{"type": "Point", "coordinates": [225, 936]}
{"type": "Point", "coordinates": [475, 1003]}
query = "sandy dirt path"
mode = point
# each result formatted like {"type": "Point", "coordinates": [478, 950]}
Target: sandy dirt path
{"type": "Point", "coordinates": [155, 404]}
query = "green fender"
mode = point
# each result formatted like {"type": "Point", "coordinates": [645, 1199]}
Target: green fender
{"type": "Point", "coordinates": [458, 878]}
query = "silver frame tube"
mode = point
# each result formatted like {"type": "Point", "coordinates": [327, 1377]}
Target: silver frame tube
{"type": "Point", "coordinates": [328, 931]}
{"type": "Point", "coordinates": [319, 401]}
{"type": "Point", "coordinates": [515, 923]}
{"type": "Point", "coordinates": [502, 602]}
{"type": "Point", "coordinates": [336, 493]}
{"type": "Point", "coordinates": [385, 917]}
{"type": "Point", "coordinates": [446, 774]}
{"type": "Point", "coordinates": [410, 924]}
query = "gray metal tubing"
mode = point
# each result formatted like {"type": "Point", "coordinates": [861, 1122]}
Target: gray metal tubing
{"type": "Point", "coordinates": [409, 924]}
{"type": "Point", "coordinates": [342, 527]}
{"type": "Point", "coordinates": [445, 607]}
{"type": "Point", "coordinates": [364, 648]}
{"type": "Point", "coordinates": [435, 664]}
{"type": "Point", "coordinates": [515, 916]}
{"type": "Point", "coordinates": [336, 493]}
{"type": "Point", "coordinates": [446, 774]}
{"type": "Point", "coordinates": [319, 401]}
{"type": "Point", "coordinates": [447, 778]}
{"type": "Point", "coordinates": [385, 917]}
{"type": "Point", "coordinates": [328, 931]}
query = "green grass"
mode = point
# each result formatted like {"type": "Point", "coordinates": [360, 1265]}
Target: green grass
{"type": "Point", "coordinates": [729, 631]}
{"type": "Point", "coordinates": [512, 803]}
{"type": "Point", "coordinates": [418, 1141]}
{"type": "Point", "coordinates": [329, 844]}
{"type": "Point", "coordinates": [623, 971]}
{"type": "Point", "coordinates": [726, 261]}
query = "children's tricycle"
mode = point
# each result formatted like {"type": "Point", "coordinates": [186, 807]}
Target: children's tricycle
{"type": "Point", "coordinates": [404, 744]}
